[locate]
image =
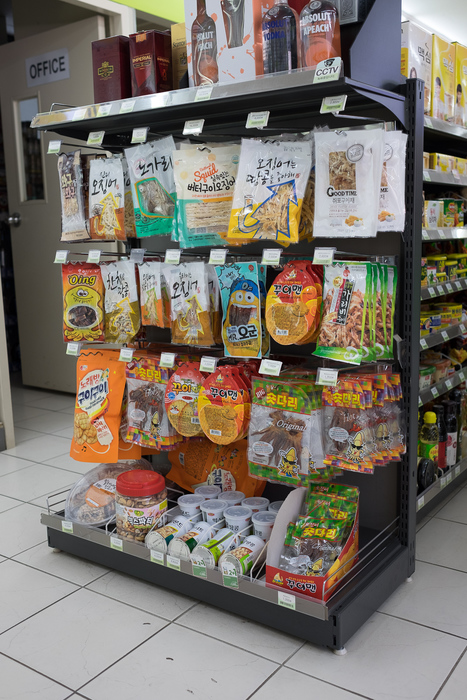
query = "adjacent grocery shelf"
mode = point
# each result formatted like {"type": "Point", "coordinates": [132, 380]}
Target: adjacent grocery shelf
{"type": "Point", "coordinates": [439, 290]}
{"type": "Point", "coordinates": [448, 479]}
{"type": "Point", "coordinates": [439, 178]}
{"type": "Point", "coordinates": [442, 387]}
{"type": "Point", "coordinates": [444, 233]}
{"type": "Point", "coordinates": [430, 341]}
{"type": "Point", "coordinates": [446, 128]}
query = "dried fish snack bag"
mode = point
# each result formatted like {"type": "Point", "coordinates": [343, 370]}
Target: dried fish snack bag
{"type": "Point", "coordinates": [391, 215]}
{"type": "Point", "coordinates": [336, 491]}
{"type": "Point", "coordinates": [347, 287]}
{"type": "Point", "coordinates": [205, 181]}
{"type": "Point", "coordinates": [265, 337]}
{"type": "Point", "coordinates": [107, 200]}
{"type": "Point", "coordinates": [151, 294]}
{"type": "Point", "coordinates": [368, 341]}
{"type": "Point", "coordinates": [390, 306]}
{"type": "Point", "coordinates": [153, 186]}
{"type": "Point", "coordinates": [129, 219]}
{"type": "Point", "coordinates": [70, 173]}
{"type": "Point", "coordinates": [380, 312]}
{"type": "Point", "coordinates": [308, 206]}
{"type": "Point", "coordinates": [397, 420]}
{"type": "Point", "coordinates": [99, 394]}
{"type": "Point", "coordinates": [190, 306]}
{"type": "Point", "coordinates": [216, 304]}
{"type": "Point", "coordinates": [319, 545]}
{"type": "Point", "coordinates": [348, 178]}
{"type": "Point", "coordinates": [241, 309]}
{"type": "Point", "coordinates": [327, 506]}
{"type": "Point", "coordinates": [165, 291]}
{"type": "Point", "coordinates": [292, 304]}
{"type": "Point", "coordinates": [181, 399]}
{"type": "Point", "coordinates": [269, 191]}
{"type": "Point", "coordinates": [221, 406]}
{"type": "Point", "coordinates": [83, 303]}
{"type": "Point", "coordinates": [122, 311]}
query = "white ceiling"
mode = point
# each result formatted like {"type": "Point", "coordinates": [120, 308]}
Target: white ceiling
{"type": "Point", "coordinates": [444, 17]}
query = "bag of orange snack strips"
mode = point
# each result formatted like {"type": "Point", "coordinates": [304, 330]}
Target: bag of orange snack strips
{"type": "Point", "coordinates": [221, 406]}
{"type": "Point", "coordinates": [292, 304]}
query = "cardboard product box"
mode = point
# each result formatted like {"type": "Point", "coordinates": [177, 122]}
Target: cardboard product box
{"type": "Point", "coordinates": [416, 57]}
{"type": "Point", "coordinates": [179, 62]}
{"type": "Point", "coordinates": [460, 107]}
{"type": "Point", "coordinates": [441, 163]}
{"type": "Point", "coordinates": [452, 213]}
{"type": "Point", "coordinates": [319, 587]}
{"type": "Point", "coordinates": [461, 166]}
{"type": "Point", "coordinates": [442, 79]}
{"type": "Point", "coordinates": [426, 160]}
{"type": "Point", "coordinates": [151, 62]}
{"type": "Point", "coordinates": [111, 69]}
{"type": "Point", "coordinates": [434, 214]}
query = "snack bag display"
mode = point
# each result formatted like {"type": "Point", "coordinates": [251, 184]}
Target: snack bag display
{"type": "Point", "coordinates": [107, 200]}
{"type": "Point", "coordinates": [216, 304]}
{"type": "Point", "coordinates": [241, 305]}
{"type": "Point", "coordinates": [151, 294]}
{"type": "Point", "coordinates": [389, 308]}
{"type": "Point", "coordinates": [122, 312]}
{"type": "Point", "coordinates": [70, 172]}
{"type": "Point", "coordinates": [348, 180]}
{"type": "Point", "coordinates": [99, 394]}
{"type": "Point", "coordinates": [205, 180]}
{"type": "Point", "coordinates": [347, 288]}
{"type": "Point", "coordinates": [83, 303]}
{"type": "Point", "coordinates": [265, 337]}
{"type": "Point", "coordinates": [442, 80]}
{"type": "Point", "coordinates": [153, 186]}
{"type": "Point", "coordinates": [181, 399]}
{"type": "Point", "coordinates": [221, 406]}
{"type": "Point", "coordinates": [391, 215]}
{"type": "Point", "coordinates": [190, 307]}
{"type": "Point", "coordinates": [269, 191]}
{"type": "Point", "coordinates": [129, 220]}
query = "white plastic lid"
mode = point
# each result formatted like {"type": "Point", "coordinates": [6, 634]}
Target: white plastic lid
{"type": "Point", "coordinates": [264, 516]}
{"type": "Point", "coordinates": [275, 506]}
{"type": "Point", "coordinates": [255, 501]}
{"type": "Point", "coordinates": [240, 512]}
{"type": "Point", "coordinates": [213, 505]}
{"type": "Point", "coordinates": [232, 496]}
{"type": "Point", "coordinates": [207, 491]}
{"type": "Point", "coordinates": [191, 500]}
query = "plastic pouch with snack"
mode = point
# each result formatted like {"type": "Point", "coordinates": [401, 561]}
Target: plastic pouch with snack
{"type": "Point", "coordinates": [107, 200]}
{"type": "Point", "coordinates": [70, 172]}
{"type": "Point", "coordinates": [190, 305]}
{"type": "Point", "coordinates": [151, 294]}
{"type": "Point", "coordinates": [181, 399]}
{"type": "Point", "coordinates": [122, 311]}
{"type": "Point", "coordinates": [221, 406]}
{"type": "Point", "coordinates": [241, 305]}
{"type": "Point", "coordinates": [391, 216]}
{"type": "Point", "coordinates": [83, 303]}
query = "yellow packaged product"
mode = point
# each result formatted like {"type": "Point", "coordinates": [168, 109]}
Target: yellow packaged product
{"type": "Point", "coordinates": [441, 163]}
{"type": "Point", "coordinates": [416, 50]}
{"type": "Point", "coordinates": [442, 79]}
{"type": "Point", "coordinates": [434, 217]}
{"type": "Point", "coordinates": [460, 114]}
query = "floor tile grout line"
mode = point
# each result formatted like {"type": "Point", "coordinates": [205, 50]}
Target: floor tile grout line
{"type": "Point", "coordinates": [44, 675]}
{"type": "Point", "coordinates": [424, 625]}
{"type": "Point", "coordinates": [39, 611]}
{"type": "Point", "coordinates": [441, 566]}
{"type": "Point", "coordinates": [340, 687]}
{"type": "Point", "coordinates": [450, 673]}
{"type": "Point", "coordinates": [261, 685]}
{"type": "Point", "coordinates": [60, 578]}
{"type": "Point", "coordinates": [447, 520]}
{"type": "Point", "coordinates": [134, 607]}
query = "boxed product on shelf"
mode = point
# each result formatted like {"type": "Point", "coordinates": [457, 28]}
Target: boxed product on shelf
{"type": "Point", "coordinates": [426, 160]}
{"type": "Point", "coordinates": [452, 210]}
{"type": "Point", "coordinates": [111, 68]}
{"type": "Point", "coordinates": [460, 114]}
{"type": "Point", "coordinates": [434, 214]}
{"type": "Point", "coordinates": [416, 57]}
{"type": "Point", "coordinates": [461, 166]}
{"type": "Point", "coordinates": [150, 62]}
{"type": "Point", "coordinates": [442, 79]}
{"type": "Point", "coordinates": [179, 58]}
{"type": "Point", "coordinates": [441, 163]}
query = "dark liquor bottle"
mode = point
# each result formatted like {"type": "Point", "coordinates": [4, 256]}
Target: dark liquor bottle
{"type": "Point", "coordinates": [280, 38]}
{"type": "Point", "coordinates": [233, 12]}
{"type": "Point", "coordinates": [204, 47]}
{"type": "Point", "coordinates": [320, 32]}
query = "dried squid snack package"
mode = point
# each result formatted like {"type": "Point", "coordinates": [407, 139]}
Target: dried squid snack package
{"type": "Point", "coordinates": [269, 191]}
{"type": "Point", "coordinates": [308, 207]}
{"type": "Point", "coordinates": [129, 219]}
{"type": "Point", "coordinates": [391, 294]}
{"type": "Point", "coordinates": [151, 294]}
{"type": "Point", "coordinates": [279, 448]}
{"type": "Point", "coordinates": [391, 215]}
{"type": "Point", "coordinates": [337, 492]}
{"type": "Point", "coordinates": [205, 181]}
{"type": "Point", "coordinates": [292, 304]}
{"type": "Point", "coordinates": [190, 306]}
{"type": "Point", "coordinates": [99, 394]}
{"type": "Point", "coordinates": [241, 309]}
{"type": "Point", "coordinates": [265, 337]}
{"type": "Point", "coordinates": [398, 420]}
{"type": "Point", "coordinates": [122, 311]}
{"type": "Point", "coordinates": [380, 312]}
{"type": "Point", "coordinates": [107, 200]}
{"type": "Point", "coordinates": [83, 303]}
{"type": "Point", "coordinates": [368, 342]}
{"type": "Point", "coordinates": [319, 545]}
{"type": "Point", "coordinates": [70, 173]}
{"type": "Point", "coordinates": [165, 291]}
{"type": "Point", "coordinates": [347, 287]}
{"type": "Point", "coordinates": [153, 186]}
{"type": "Point", "coordinates": [348, 178]}
{"type": "Point", "coordinates": [221, 407]}
{"type": "Point", "coordinates": [181, 399]}
{"type": "Point", "coordinates": [216, 304]}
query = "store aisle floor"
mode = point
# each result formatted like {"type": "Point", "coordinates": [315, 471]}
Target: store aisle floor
{"type": "Point", "coordinates": [71, 629]}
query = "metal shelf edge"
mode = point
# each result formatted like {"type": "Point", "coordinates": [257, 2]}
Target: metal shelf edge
{"type": "Point", "coordinates": [440, 290]}
{"type": "Point", "coordinates": [444, 233]}
{"type": "Point", "coordinates": [440, 484]}
{"type": "Point", "coordinates": [442, 387]}
{"type": "Point", "coordinates": [430, 341]}
{"type": "Point", "coordinates": [443, 127]}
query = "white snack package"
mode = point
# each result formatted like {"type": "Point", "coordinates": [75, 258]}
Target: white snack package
{"type": "Point", "coordinates": [106, 199]}
{"type": "Point", "coordinates": [391, 215]}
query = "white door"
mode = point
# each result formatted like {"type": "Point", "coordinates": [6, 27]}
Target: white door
{"type": "Point", "coordinates": [33, 190]}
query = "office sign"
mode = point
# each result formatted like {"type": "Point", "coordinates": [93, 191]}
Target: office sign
{"type": "Point", "coordinates": [47, 68]}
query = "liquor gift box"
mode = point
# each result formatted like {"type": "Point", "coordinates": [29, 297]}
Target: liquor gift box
{"type": "Point", "coordinates": [151, 62]}
{"type": "Point", "coordinates": [179, 64]}
{"type": "Point", "coordinates": [111, 69]}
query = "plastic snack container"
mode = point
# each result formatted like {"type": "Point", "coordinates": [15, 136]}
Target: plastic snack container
{"type": "Point", "coordinates": [237, 518]}
{"type": "Point", "coordinates": [274, 507]}
{"type": "Point", "coordinates": [210, 552]}
{"type": "Point", "coordinates": [181, 547]}
{"type": "Point", "coordinates": [233, 498]}
{"type": "Point", "coordinates": [256, 503]}
{"type": "Point", "coordinates": [160, 539]}
{"type": "Point", "coordinates": [213, 511]}
{"type": "Point", "coordinates": [244, 556]}
{"type": "Point", "coordinates": [140, 501]}
{"type": "Point", "coordinates": [208, 492]}
{"type": "Point", "coordinates": [426, 377]}
{"type": "Point", "coordinates": [263, 522]}
{"type": "Point", "coordinates": [190, 505]}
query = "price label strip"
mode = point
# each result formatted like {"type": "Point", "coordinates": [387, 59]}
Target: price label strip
{"type": "Point", "coordinates": [426, 176]}
{"type": "Point", "coordinates": [217, 256]}
{"type": "Point", "coordinates": [425, 235]}
{"type": "Point", "coordinates": [331, 105]}
{"type": "Point", "coordinates": [126, 355]}
{"type": "Point", "coordinates": [61, 257]}
{"type": "Point", "coordinates": [54, 147]}
{"type": "Point", "coordinates": [441, 233]}
{"type": "Point", "coordinates": [423, 344]}
{"type": "Point", "coordinates": [167, 360]}
{"type": "Point", "coordinates": [229, 575]}
{"type": "Point", "coordinates": [172, 256]}
{"type": "Point", "coordinates": [271, 256]}
{"type": "Point", "coordinates": [257, 120]}
{"type": "Point", "coordinates": [140, 134]}
{"type": "Point", "coordinates": [127, 106]}
{"type": "Point", "coordinates": [459, 285]}
{"type": "Point", "coordinates": [444, 335]}
{"type": "Point", "coordinates": [116, 543]}
{"type": "Point", "coordinates": [327, 377]}
{"type": "Point", "coordinates": [193, 127]}
{"type": "Point", "coordinates": [94, 256]}
{"type": "Point", "coordinates": [67, 526]}
{"type": "Point", "coordinates": [449, 478]}
{"type": "Point", "coordinates": [431, 292]}
{"type": "Point", "coordinates": [286, 600]}
{"type": "Point", "coordinates": [173, 563]}
{"type": "Point", "coordinates": [95, 138]}
{"type": "Point", "coordinates": [457, 472]}
{"type": "Point", "coordinates": [73, 349]}
{"type": "Point", "coordinates": [208, 364]}
{"type": "Point", "coordinates": [442, 483]}
{"type": "Point", "coordinates": [435, 392]}
{"type": "Point", "coordinates": [448, 383]}
{"type": "Point", "coordinates": [137, 255]}
{"type": "Point", "coordinates": [270, 367]}
{"type": "Point", "coordinates": [157, 557]}
{"type": "Point", "coordinates": [440, 289]}
{"type": "Point", "coordinates": [79, 114]}
{"type": "Point", "coordinates": [104, 110]}
{"type": "Point", "coordinates": [420, 502]}
{"type": "Point", "coordinates": [199, 568]}
{"type": "Point", "coordinates": [323, 256]}
{"type": "Point", "coordinates": [449, 287]}
{"type": "Point", "coordinates": [203, 93]}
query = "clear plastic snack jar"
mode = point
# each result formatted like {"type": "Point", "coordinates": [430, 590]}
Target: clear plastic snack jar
{"type": "Point", "coordinates": [140, 502]}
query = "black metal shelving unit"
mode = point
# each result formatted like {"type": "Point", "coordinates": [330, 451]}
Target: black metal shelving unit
{"type": "Point", "coordinates": [388, 499]}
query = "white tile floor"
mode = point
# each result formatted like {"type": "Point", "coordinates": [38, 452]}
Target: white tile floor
{"type": "Point", "coordinates": [72, 629]}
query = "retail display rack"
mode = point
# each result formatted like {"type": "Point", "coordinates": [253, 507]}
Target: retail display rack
{"type": "Point", "coordinates": [388, 498]}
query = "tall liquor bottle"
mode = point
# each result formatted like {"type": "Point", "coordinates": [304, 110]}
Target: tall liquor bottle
{"type": "Point", "coordinates": [320, 32]}
{"type": "Point", "coordinates": [204, 47]}
{"type": "Point", "coordinates": [233, 12]}
{"type": "Point", "coordinates": [280, 38]}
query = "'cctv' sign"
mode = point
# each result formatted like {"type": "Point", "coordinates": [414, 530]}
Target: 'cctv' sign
{"type": "Point", "coordinates": [47, 68]}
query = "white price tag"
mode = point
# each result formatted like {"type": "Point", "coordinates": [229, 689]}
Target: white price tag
{"type": "Point", "coordinates": [441, 233]}
{"type": "Point", "coordinates": [442, 483]}
{"type": "Point", "coordinates": [203, 93]}
{"type": "Point", "coordinates": [257, 120]}
{"type": "Point", "coordinates": [208, 364]}
{"type": "Point", "coordinates": [428, 122]}
{"type": "Point", "coordinates": [459, 285]}
{"type": "Point", "coordinates": [271, 256]}
{"type": "Point", "coordinates": [140, 134]}
{"type": "Point", "coordinates": [95, 138]}
{"type": "Point", "coordinates": [431, 292]}
{"type": "Point", "coordinates": [323, 256]}
{"type": "Point", "coordinates": [327, 70]}
{"type": "Point", "coordinates": [420, 502]}
{"type": "Point", "coordinates": [444, 335]}
{"type": "Point", "coordinates": [172, 256]}
{"type": "Point", "coordinates": [94, 256]}
{"type": "Point", "coordinates": [61, 256]}
{"type": "Point", "coordinates": [420, 402]}
{"type": "Point", "coordinates": [126, 354]}
{"type": "Point", "coordinates": [104, 110]}
{"type": "Point", "coordinates": [435, 392]}
{"type": "Point", "coordinates": [73, 349]}
{"type": "Point", "coordinates": [423, 344]}
{"type": "Point", "coordinates": [440, 289]}
{"type": "Point", "coordinates": [193, 127]}
{"type": "Point", "coordinates": [448, 383]}
{"type": "Point", "coordinates": [286, 600]}
{"type": "Point", "coordinates": [449, 287]}
{"type": "Point", "coordinates": [457, 472]}
{"type": "Point", "coordinates": [327, 377]}
{"type": "Point", "coordinates": [229, 575]}
{"type": "Point", "coordinates": [462, 376]}
{"type": "Point", "coordinates": [456, 174]}
{"type": "Point", "coordinates": [137, 255]}
{"type": "Point", "coordinates": [271, 367]}
{"type": "Point", "coordinates": [333, 104]}
{"type": "Point", "coordinates": [54, 147]}
{"type": "Point", "coordinates": [67, 526]}
{"type": "Point", "coordinates": [462, 328]}
{"type": "Point", "coordinates": [426, 176]}
{"type": "Point", "coordinates": [167, 359]}
{"type": "Point", "coordinates": [79, 114]}
{"type": "Point", "coordinates": [157, 557]}
{"type": "Point", "coordinates": [217, 256]}
{"type": "Point", "coordinates": [116, 543]}
{"type": "Point", "coordinates": [127, 106]}
{"type": "Point", "coordinates": [449, 478]}
{"type": "Point", "coordinates": [199, 568]}
{"type": "Point", "coordinates": [173, 563]}
{"type": "Point", "coordinates": [425, 235]}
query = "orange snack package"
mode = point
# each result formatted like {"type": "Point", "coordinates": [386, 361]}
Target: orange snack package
{"type": "Point", "coordinates": [221, 406]}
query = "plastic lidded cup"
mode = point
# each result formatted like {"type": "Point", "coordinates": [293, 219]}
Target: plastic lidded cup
{"type": "Point", "coordinates": [233, 498]}
{"type": "Point", "coordinates": [208, 492]}
{"type": "Point", "coordinates": [263, 522]}
{"type": "Point", "coordinates": [275, 506]}
{"type": "Point", "coordinates": [190, 505]}
{"type": "Point", "coordinates": [256, 503]}
{"type": "Point", "coordinates": [237, 518]}
{"type": "Point", "coordinates": [213, 511]}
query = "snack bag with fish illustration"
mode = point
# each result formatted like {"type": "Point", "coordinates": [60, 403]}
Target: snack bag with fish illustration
{"type": "Point", "coordinates": [241, 304]}
{"type": "Point", "coordinates": [122, 311]}
{"type": "Point", "coordinates": [189, 304]}
{"type": "Point", "coordinates": [151, 294]}
{"type": "Point", "coordinates": [129, 221]}
{"type": "Point", "coordinates": [106, 200]}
